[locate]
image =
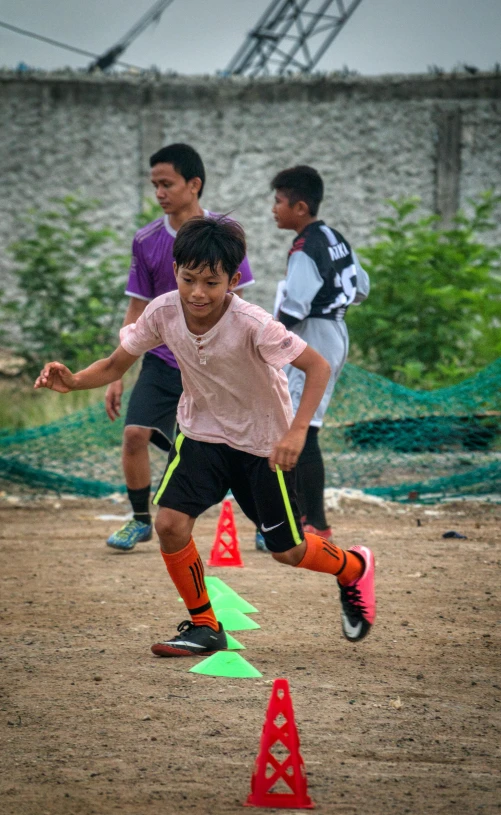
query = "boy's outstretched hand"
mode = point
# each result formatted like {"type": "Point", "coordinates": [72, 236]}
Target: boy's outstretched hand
{"type": "Point", "coordinates": [56, 377]}
{"type": "Point", "coordinates": [286, 453]}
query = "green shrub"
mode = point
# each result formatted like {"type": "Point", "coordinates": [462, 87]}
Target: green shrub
{"type": "Point", "coordinates": [150, 212]}
{"type": "Point", "coordinates": [69, 279]}
{"type": "Point", "coordinates": [433, 315]}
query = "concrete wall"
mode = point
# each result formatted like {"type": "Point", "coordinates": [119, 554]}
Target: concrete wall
{"type": "Point", "coordinates": [371, 139]}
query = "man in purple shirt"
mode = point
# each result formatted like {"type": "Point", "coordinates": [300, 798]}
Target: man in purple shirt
{"type": "Point", "coordinates": [178, 175]}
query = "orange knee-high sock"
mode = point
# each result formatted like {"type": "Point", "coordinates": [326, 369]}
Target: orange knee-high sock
{"type": "Point", "coordinates": [187, 573]}
{"type": "Point", "coordinates": [322, 556]}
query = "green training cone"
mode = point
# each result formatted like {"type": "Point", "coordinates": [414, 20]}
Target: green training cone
{"type": "Point", "coordinates": [225, 663]}
{"type": "Point", "coordinates": [233, 620]}
{"type": "Point", "coordinates": [210, 580]}
{"type": "Point", "coordinates": [229, 599]}
{"type": "Point", "coordinates": [233, 644]}
{"type": "Point", "coordinates": [219, 585]}
{"type": "Point", "coordinates": [213, 592]}
{"type": "Point", "coordinates": [223, 601]}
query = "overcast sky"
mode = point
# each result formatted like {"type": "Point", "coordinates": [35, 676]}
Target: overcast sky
{"type": "Point", "coordinates": [201, 36]}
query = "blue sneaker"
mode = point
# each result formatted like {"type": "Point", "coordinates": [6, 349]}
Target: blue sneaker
{"type": "Point", "coordinates": [260, 542]}
{"type": "Point", "coordinates": [129, 534]}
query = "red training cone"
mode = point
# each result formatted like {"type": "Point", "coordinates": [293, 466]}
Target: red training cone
{"type": "Point", "coordinates": [225, 551]}
{"type": "Point", "coordinates": [291, 770]}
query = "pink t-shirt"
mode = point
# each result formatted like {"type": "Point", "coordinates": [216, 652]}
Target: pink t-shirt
{"type": "Point", "coordinates": [234, 389]}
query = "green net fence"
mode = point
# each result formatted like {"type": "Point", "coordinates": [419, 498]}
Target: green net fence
{"type": "Point", "coordinates": [378, 436]}
{"type": "Point", "coordinates": [415, 445]}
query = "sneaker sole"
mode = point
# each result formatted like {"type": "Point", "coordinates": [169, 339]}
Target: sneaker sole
{"type": "Point", "coordinates": [166, 651]}
{"type": "Point", "coordinates": [121, 548]}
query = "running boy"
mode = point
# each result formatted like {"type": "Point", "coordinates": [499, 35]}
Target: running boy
{"type": "Point", "coordinates": [324, 277]}
{"type": "Point", "coordinates": [178, 176]}
{"type": "Point", "coordinates": [236, 428]}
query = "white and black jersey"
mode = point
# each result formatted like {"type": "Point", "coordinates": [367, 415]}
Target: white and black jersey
{"type": "Point", "coordinates": [324, 277]}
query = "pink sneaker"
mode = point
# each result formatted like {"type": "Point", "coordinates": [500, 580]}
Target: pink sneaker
{"type": "Point", "coordinates": [358, 600]}
{"type": "Point", "coordinates": [326, 534]}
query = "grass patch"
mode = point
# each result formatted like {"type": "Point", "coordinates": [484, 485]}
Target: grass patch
{"type": "Point", "coordinates": [21, 406]}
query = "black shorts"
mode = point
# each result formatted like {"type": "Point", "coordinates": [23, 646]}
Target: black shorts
{"type": "Point", "coordinates": [153, 401]}
{"type": "Point", "coordinates": [199, 474]}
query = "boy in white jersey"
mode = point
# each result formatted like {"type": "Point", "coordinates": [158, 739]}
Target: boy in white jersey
{"type": "Point", "coordinates": [236, 428]}
{"type": "Point", "coordinates": [324, 278]}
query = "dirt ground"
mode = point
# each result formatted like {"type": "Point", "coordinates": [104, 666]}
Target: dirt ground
{"type": "Point", "coordinates": [408, 721]}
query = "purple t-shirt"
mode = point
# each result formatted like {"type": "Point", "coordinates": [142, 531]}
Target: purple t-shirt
{"type": "Point", "coordinates": [151, 271]}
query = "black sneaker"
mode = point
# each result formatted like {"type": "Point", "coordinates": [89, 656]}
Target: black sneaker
{"type": "Point", "coordinates": [192, 640]}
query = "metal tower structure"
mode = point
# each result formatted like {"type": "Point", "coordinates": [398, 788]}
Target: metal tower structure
{"type": "Point", "coordinates": [292, 35]}
{"type": "Point", "coordinates": [110, 56]}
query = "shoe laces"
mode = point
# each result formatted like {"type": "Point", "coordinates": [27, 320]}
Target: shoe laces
{"type": "Point", "coordinates": [353, 597]}
{"type": "Point", "coordinates": [123, 533]}
{"type": "Point", "coordinates": [183, 627]}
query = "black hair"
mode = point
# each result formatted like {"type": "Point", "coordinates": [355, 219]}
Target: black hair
{"type": "Point", "coordinates": [301, 183]}
{"type": "Point", "coordinates": [185, 160]}
{"type": "Point", "coordinates": [208, 242]}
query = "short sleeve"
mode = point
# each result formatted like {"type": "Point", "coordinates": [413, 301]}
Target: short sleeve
{"type": "Point", "coordinates": [363, 282]}
{"type": "Point", "coordinates": [277, 345]}
{"type": "Point", "coordinates": [141, 336]}
{"type": "Point", "coordinates": [247, 278]}
{"type": "Point", "coordinates": [302, 284]}
{"type": "Point", "coordinates": [139, 283]}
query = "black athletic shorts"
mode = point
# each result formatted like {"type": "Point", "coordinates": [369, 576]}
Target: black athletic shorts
{"type": "Point", "coordinates": [153, 401]}
{"type": "Point", "coordinates": [199, 474]}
